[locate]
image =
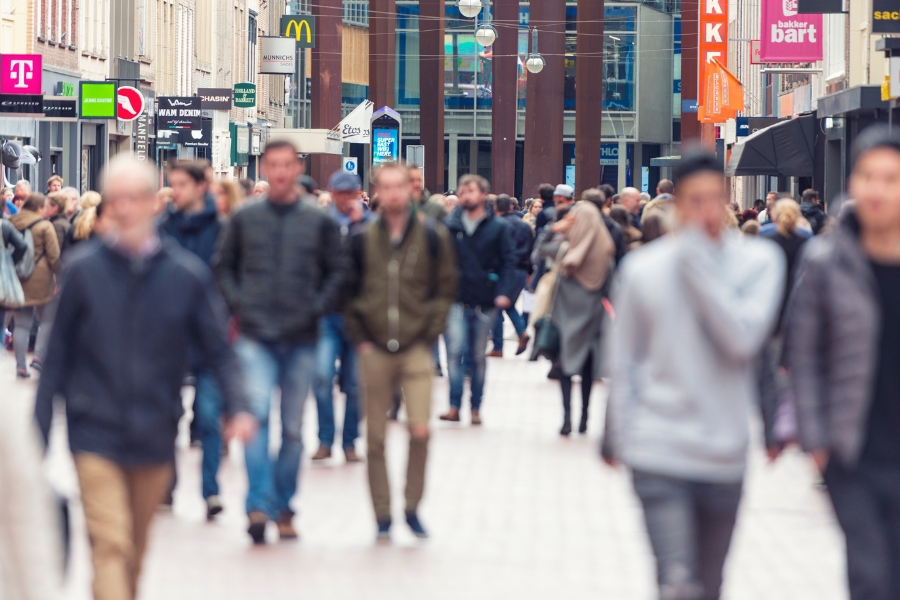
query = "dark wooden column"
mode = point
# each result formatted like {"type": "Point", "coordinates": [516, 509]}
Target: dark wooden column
{"type": "Point", "coordinates": [382, 43]}
{"type": "Point", "coordinates": [504, 115]}
{"type": "Point", "coordinates": [588, 94]}
{"type": "Point", "coordinates": [690, 48]}
{"type": "Point", "coordinates": [326, 81]}
{"type": "Point", "coordinates": [431, 91]}
{"type": "Point", "coordinates": [544, 100]}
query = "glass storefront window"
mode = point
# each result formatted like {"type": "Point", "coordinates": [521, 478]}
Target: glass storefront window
{"type": "Point", "coordinates": [468, 71]}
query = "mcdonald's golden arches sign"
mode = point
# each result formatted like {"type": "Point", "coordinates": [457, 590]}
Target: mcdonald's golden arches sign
{"type": "Point", "coordinates": [300, 27]}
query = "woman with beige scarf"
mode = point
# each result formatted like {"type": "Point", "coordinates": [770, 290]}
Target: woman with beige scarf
{"type": "Point", "coordinates": [578, 309]}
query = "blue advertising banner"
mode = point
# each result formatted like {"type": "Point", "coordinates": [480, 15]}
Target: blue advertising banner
{"type": "Point", "coordinates": [386, 146]}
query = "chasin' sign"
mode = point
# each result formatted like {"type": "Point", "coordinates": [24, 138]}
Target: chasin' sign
{"type": "Point", "coordinates": [713, 37]}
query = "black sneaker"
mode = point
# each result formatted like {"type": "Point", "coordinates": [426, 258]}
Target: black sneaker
{"type": "Point", "coordinates": [213, 507]}
{"type": "Point", "coordinates": [257, 528]}
{"type": "Point", "coordinates": [412, 519]}
{"type": "Point", "coordinates": [384, 530]}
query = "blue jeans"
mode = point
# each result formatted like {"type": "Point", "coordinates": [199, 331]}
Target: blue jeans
{"type": "Point", "coordinates": [333, 345]}
{"type": "Point", "coordinates": [208, 405]}
{"type": "Point", "coordinates": [517, 320]}
{"type": "Point", "coordinates": [690, 525]}
{"type": "Point", "coordinates": [467, 333]}
{"type": "Point", "coordinates": [290, 367]}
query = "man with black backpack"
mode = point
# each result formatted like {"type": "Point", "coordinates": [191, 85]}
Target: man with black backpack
{"type": "Point", "coordinates": [403, 283]}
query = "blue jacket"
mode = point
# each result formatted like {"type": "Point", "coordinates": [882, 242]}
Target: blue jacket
{"type": "Point", "coordinates": [486, 259]}
{"type": "Point", "coordinates": [197, 233]}
{"type": "Point", "coordinates": [118, 351]}
{"type": "Point", "coordinates": [523, 238]}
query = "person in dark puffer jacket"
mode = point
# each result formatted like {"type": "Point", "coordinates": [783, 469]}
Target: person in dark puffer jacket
{"type": "Point", "coordinates": [281, 266]}
{"type": "Point", "coordinates": [487, 267]}
{"type": "Point", "coordinates": [193, 222]}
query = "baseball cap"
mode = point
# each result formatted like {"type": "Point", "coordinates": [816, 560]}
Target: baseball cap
{"type": "Point", "coordinates": [344, 182]}
{"type": "Point", "coordinates": [566, 191]}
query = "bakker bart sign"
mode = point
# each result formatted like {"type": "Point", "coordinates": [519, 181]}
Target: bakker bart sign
{"type": "Point", "coordinates": [302, 28]}
{"type": "Point", "coordinates": [787, 36]}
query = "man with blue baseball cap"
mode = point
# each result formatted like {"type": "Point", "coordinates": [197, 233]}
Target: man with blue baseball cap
{"type": "Point", "coordinates": [348, 211]}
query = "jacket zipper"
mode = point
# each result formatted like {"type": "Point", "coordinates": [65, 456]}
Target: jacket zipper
{"type": "Point", "coordinates": [393, 315]}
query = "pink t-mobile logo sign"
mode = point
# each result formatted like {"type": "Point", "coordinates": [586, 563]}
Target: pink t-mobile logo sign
{"type": "Point", "coordinates": [20, 73]}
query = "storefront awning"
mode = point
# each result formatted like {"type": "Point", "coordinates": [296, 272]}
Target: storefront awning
{"type": "Point", "coordinates": [785, 149]}
{"type": "Point", "coordinates": [310, 141]}
{"type": "Point", "coordinates": [665, 161]}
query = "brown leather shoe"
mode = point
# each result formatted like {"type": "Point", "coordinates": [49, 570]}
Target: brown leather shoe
{"type": "Point", "coordinates": [523, 343]}
{"type": "Point", "coordinates": [452, 415]}
{"type": "Point", "coordinates": [495, 354]}
{"type": "Point", "coordinates": [351, 456]}
{"type": "Point", "coordinates": [476, 418]}
{"type": "Point", "coordinates": [322, 453]}
{"type": "Point", "coordinates": [286, 529]}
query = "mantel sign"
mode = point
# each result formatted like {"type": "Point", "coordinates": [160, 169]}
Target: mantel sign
{"type": "Point", "coordinates": [277, 56]}
{"type": "Point", "coordinates": [215, 98]}
{"type": "Point", "coordinates": [97, 100]}
{"type": "Point", "coordinates": [302, 28]}
{"type": "Point", "coordinates": [245, 95]}
{"type": "Point", "coordinates": [885, 16]}
{"type": "Point", "coordinates": [178, 112]}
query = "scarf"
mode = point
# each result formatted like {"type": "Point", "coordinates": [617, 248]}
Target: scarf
{"type": "Point", "coordinates": [591, 248]}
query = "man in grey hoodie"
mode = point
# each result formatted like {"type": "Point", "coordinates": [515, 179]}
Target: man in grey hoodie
{"type": "Point", "coordinates": [693, 310]}
{"type": "Point", "coordinates": [843, 351]}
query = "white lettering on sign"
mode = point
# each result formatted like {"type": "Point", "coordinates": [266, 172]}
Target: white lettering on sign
{"type": "Point", "coordinates": [714, 32]}
{"type": "Point", "coordinates": [713, 7]}
{"type": "Point", "coordinates": [21, 71]}
{"type": "Point", "coordinates": [793, 32]}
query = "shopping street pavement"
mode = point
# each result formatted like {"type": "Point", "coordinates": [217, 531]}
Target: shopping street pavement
{"type": "Point", "coordinates": [513, 510]}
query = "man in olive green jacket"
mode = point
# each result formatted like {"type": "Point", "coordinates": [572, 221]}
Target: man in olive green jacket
{"type": "Point", "coordinates": [402, 286]}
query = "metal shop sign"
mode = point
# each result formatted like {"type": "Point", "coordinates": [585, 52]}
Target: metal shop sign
{"type": "Point", "coordinates": [197, 138]}
{"type": "Point", "coordinates": [277, 56]}
{"type": "Point", "coordinates": [885, 16]}
{"type": "Point", "coordinates": [245, 95]}
{"type": "Point", "coordinates": [302, 28]}
{"type": "Point", "coordinates": [60, 108]}
{"type": "Point", "coordinates": [22, 103]}
{"type": "Point", "coordinates": [215, 98]}
{"type": "Point", "coordinates": [178, 112]}
{"type": "Point", "coordinates": [97, 100]}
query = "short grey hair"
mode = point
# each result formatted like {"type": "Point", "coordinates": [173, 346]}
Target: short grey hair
{"type": "Point", "coordinates": [23, 183]}
{"type": "Point", "coordinates": [127, 166]}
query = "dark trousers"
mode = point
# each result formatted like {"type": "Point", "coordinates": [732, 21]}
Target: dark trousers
{"type": "Point", "coordinates": [866, 501]}
{"type": "Point", "coordinates": [690, 525]}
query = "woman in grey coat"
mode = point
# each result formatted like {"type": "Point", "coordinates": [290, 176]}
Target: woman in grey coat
{"type": "Point", "coordinates": [578, 308]}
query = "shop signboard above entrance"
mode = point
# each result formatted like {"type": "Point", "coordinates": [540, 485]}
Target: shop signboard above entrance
{"type": "Point", "coordinates": [245, 95]}
{"type": "Point", "coordinates": [60, 108]}
{"type": "Point", "coordinates": [302, 28]}
{"type": "Point", "coordinates": [22, 104]}
{"type": "Point", "coordinates": [885, 16]}
{"type": "Point", "coordinates": [97, 100]}
{"type": "Point", "coordinates": [21, 74]}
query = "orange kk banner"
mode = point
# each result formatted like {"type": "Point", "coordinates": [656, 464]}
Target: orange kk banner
{"type": "Point", "coordinates": [724, 95]}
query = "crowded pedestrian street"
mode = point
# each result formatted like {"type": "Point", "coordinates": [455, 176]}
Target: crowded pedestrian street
{"type": "Point", "coordinates": [515, 512]}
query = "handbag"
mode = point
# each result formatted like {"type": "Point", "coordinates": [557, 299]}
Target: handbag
{"type": "Point", "coordinates": [548, 339]}
{"type": "Point", "coordinates": [11, 293]}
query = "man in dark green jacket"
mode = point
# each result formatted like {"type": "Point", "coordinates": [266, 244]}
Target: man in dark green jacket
{"type": "Point", "coordinates": [402, 286]}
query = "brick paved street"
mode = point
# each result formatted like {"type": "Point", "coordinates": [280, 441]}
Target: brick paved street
{"type": "Point", "coordinates": [514, 512]}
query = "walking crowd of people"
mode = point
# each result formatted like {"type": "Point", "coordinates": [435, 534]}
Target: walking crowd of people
{"type": "Point", "coordinates": [695, 312]}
